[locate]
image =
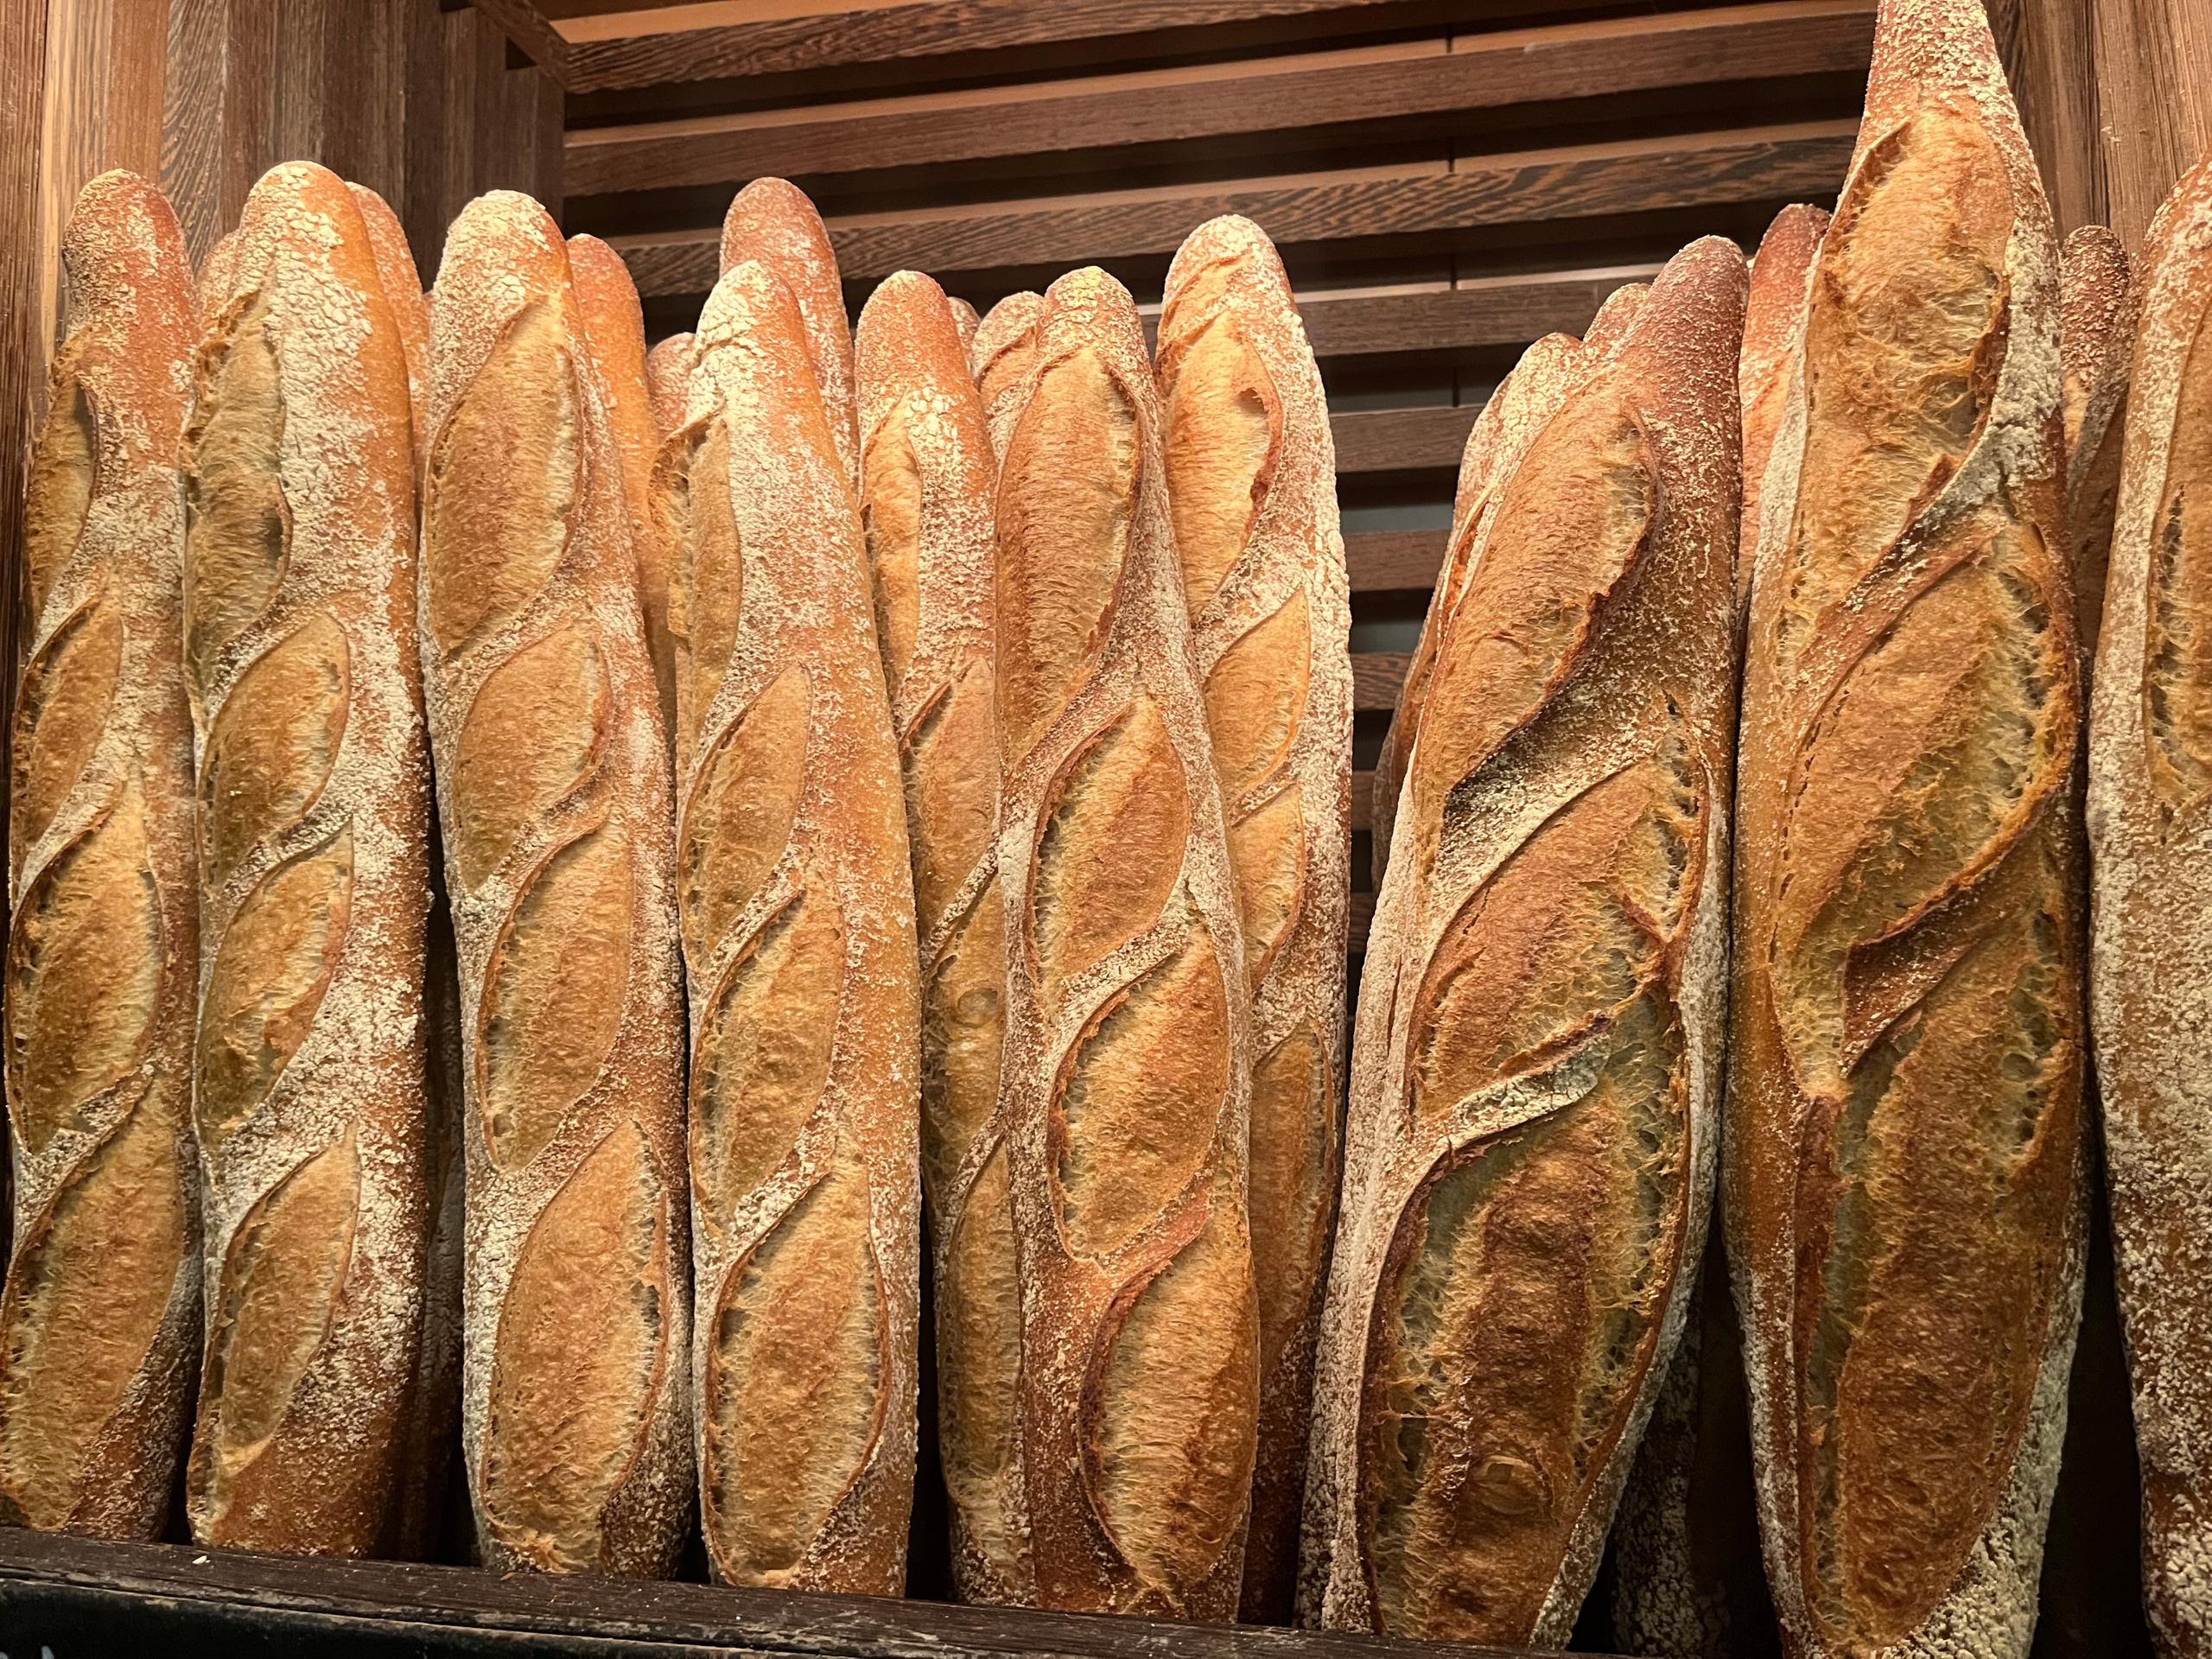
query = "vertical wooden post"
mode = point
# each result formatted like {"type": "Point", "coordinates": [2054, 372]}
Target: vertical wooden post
{"type": "Point", "coordinates": [2153, 62]}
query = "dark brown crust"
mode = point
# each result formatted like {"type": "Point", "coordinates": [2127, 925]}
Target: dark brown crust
{"type": "Point", "coordinates": [2096, 342]}
{"type": "Point", "coordinates": [1781, 277]}
{"type": "Point", "coordinates": [1905, 1151]}
{"type": "Point", "coordinates": [1535, 1071]}
{"type": "Point", "coordinates": [131, 323]}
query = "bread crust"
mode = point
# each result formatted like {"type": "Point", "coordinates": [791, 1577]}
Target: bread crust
{"type": "Point", "coordinates": [1251, 475]}
{"type": "Point", "coordinates": [1781, 281]}
{"type": "Point", "coordinates": [1516, 411]}
{"type": "Point", "coordinates": [313, 777]}
{"type": "Point", "coordinates": [100, 1322]}
{"type": "Point", "coordinates": [2098, 305]}
{"type": "Point", "coordinates": [554, 791]}
{"type": "Point", "coordinates": [1000, 354]}
{"type": "Point", "coordinates": [668, 382]}
{"type": "Point", "coordinates": [2149, 983]}
{"type": "Point", "coordinates": [217, 274]}
{"type": "Point", "coordinates": [614, 325]}
{"type": "Point", "coordinates": [965, 321]}
{"type": "Point", "coordinates": [1904, 1152]}
{"type": "Point", "coordinates": [773, 221]}
{"type": "Point", "coordinates": [927, 472]}
{"type": "Point", "coordinates": [799, 933]}
{"type": "Point", "coordinates": [1535, 1086]}
{"type": "Point", "coordinates": [1125, 1077]}
{"type": "Point", "coordinates": [403, 293]}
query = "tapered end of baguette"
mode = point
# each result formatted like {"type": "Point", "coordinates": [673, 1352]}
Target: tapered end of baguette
{"type": "Point", "coordinates": [773, 222]}
{"type": "Point", "coordinates": [607, 297]}
{"type": "Point", "coordinates": [753, 312]}
{"type": "Point", "coordinates": [1692, 322]}
{"type": "Point", "coordinates": [1782, 273]}
{"type": "Point", "coordinates": [1224, 251]}
{"type": "Point", "coordinates": [2096, 328]}
{"type": "Point", "coordinates": [966, 320]}
{"type": "Point", "coordinates": [403, 292]}
{"type": "Point", "coordinates": [219, 275]}
{"type": "Point", "coordinates": [668, 380]}
{"type": "Point", "coordinates": [502, 252]}
{"type": "Point", "coordinates": [908, 336]}
{"type": "Point", "coordinates": [1614, 319]}
{"type": "Point", "coordinates": [123, 247]}
{"type": "Point", "coordinates": [1091, 305]}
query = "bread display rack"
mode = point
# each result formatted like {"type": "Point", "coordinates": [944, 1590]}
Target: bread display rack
{"type": "Point", "coordinates": [1447, 183]}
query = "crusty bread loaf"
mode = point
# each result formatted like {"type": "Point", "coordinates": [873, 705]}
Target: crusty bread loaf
{"type": "Point", "coordinates": [2096, 345]}
{"type": "Point", "coordinates": [927, 477]}
{"type": "Point", "coordinates": [1516, 410]}
{"type": "Point", "coordinates": [309, 1080]}
{"type": "Point", "coordinates": [2149, 985]}
{"type": "Point", "coordinates": [1251, 488]}
{"type": "Point", "coordinates": [668, 384]}
{"type": "Point", "coordinates": [965, 321]}
{"type": "Point", "coordinates": [1000, 355]}
{"type": "Point", "coordinates": [1126, 1072]}
{"type": "Point", "coordinates": [1535, 1085]}
{"type": "Point", "coordinates": [773, 222]}
{"type": "Point", "coordinates": [1903, 1160]}
{"type": "Point", "coordinates": [614, 327]}
{"type": "Point", "coordinates": [99, 1325]}
{"type": "Point", "coordinates": [554, 793]}
{"type": "Point", "coordinates": [1781, 277]}
{"type": "Point", "coordinates": [217, 272]}
{"type": "Point", "coordinates": [403, 292]}
{"type": "Point", "coordinates": [799, 930]}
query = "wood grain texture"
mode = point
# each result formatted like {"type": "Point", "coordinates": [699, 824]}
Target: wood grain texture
{"type": "Point", "coordinates": [1402, 440]}
{"type": "Point", "coordinates": [1482, 311]}
{"type": "Point", "coordinates": [193, 1598]}
{"type": "Point", "coordinates": [2048, 47]}
{"type": "Point", "coordinates": [1393, 561]}
{"type": "Point", "coordinates": [2153, 102]}
{"type": "Point", "coordinates": [1701, 170]}
{"type": "Point", "coordinates": [1264, 95]}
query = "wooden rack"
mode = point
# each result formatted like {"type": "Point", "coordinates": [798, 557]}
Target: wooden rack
{"type": "Point", "coordinates": [1448, 180]}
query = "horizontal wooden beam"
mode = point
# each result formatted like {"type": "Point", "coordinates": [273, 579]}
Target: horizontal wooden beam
{"type": "Point", "coordinates": [1614, 55]}
{"type": "Point", "coordinates": [1359, 918]}
{"type": "Point", "coordinates": [1362, 799]}
{"type": "Point", "coordinates": [1484, 311]}
{"type": "Point", "coordinates": [1591, 180]}
{"type": "Point", "coordinates": [1402, 440]}
{"type": "Point", "coordinates": [1393, 561]}
{"type": "Point", "coordinates": [729, 40]}
{"type": "Point", "coordinates": [1377, 676]}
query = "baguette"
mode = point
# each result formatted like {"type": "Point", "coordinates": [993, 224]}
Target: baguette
{"type": "Point", "coordinates": [615, 328]}
{"type": "Point", "coordinates": [403, 292]}
{"type": "Point", "coordinates": [1251, 485]}
{"type": "Point", "coordinates": [1535, 1078]}
{"type": "Point", "coordinates": [2096, 341]}
{"type": "Point", "coordinates": [553, 787]}
{"type": "Point", "coordinates": [927, 474]}
{"type": "Point", "coordinates": [100, 1321]}
{"type": "Point", "coordinates": [1516, 410]}
{"type": "Point", "coordinates": [1782, 278]}
{"type": "Point", "coordinates": [310, 1084]}
{"type": "Point", "coordinates": [2149, 988]}
{"type": "Point", "coordinates": [1005, 342]}
{"type": "Point", "coordinates": [668, 383]}
{"type": "Point", "coordinates": [965, 321]}
{"type": "Point", "coordinates": [773, 222]}
{"type": "Point", "coordinates": [799, 930]}
{"type": "Point", "coordinates": [1904, 1153]}
{"type": "Point", "coordinates": [1125, 1080]}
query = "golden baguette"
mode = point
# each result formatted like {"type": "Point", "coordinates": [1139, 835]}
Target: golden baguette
{"type": "Point", "coordinates": [99, 1325]}
{"type": "Point", "coordinates": [1904, 1153]}
{"type": "Point", "coordinates": [965, 321]}
{"type": "Point", "coordinates": [668, 383]}
{"type": "Point", "coordinates": [1782, 278]}
{"type": "Point", "coordinates": [798, 929]}
{"type": "Point", "coordinates": [999, 356]}
{"type": "Point", "coordinates": [614, 327]}
{"type": "Point", "coordinates": [403, 292]}
{"type": "Point", "coordinates": [310, 1079]}
{"type": "Point", "coordinates": [772, 221]}
{"type": "Point", "coordinates": [2097, 308]}
{"type": "Point", "coordinates": [1535, 1080]}
{"type": "Point", "coordinates": [927, 474]}
{"type": "Point", "coordinates": [1125, 1077]}
{"type": "Point", "coordinates": [553, 788]}
{"type": "Point", "coordinates": [218, 273]}
{"type": "Point", "coordinates": [2150, 990]}
{"type": "Point", "coordinates": [1251, 485]}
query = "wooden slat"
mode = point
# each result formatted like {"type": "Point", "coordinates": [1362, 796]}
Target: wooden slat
{"type": "Point", "coordinates": [1358, 918]}
{"type": "Point", "coordinates": [1487, 311]}
{"type": "Point", "coordinates": [1402, 440]}
{"type": "Point", "coordinates": [713, 42]}
{"type": "Point", "coordinates": [1393, 561]}
{"type": "Point", "coordinates": [1699, 169]}
{"type": "Point", "coordinates": [1377, 676]}
{"type": "Point", "coordinates": [1615, 55]}
{"type": "Point", "coordinates": [1362, 799]}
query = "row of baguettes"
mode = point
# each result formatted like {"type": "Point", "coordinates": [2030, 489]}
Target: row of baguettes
{"type": "Point", "coordinates": [698, 665]}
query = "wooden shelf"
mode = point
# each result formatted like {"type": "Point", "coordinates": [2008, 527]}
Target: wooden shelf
{"type": "Point", "coordinates": [82, 1597]}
